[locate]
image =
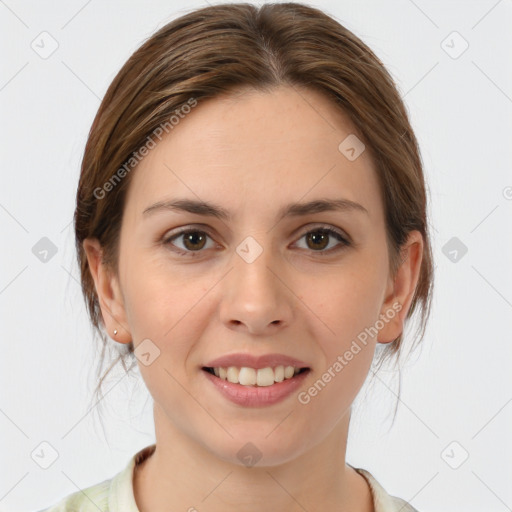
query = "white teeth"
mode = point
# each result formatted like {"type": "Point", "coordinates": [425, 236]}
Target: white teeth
{"type": "Point", "coordinates": [247, 376]}
{"type": "Point", "coordinates": [265, 377]}
{"type": "Point", "coordinates": [279, 374]}
{"type": "Point", "coordinates": [251, 376]}
{"type": "Point", "coordinates": [232, 374]}
{"type": "Point", "coordinates": [288, 372]}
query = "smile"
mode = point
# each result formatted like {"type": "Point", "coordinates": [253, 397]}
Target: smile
{"type": "Point", "coordinates": [247, 376]}
{"type": "Point", "coordinates": [254, 394]}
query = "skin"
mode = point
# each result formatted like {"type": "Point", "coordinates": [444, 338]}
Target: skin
{"type": "Point", "coordinates": [253, 152]}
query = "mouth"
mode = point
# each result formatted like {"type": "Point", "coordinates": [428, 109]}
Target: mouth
{"type": "Point", "coordinates": [252, 377]}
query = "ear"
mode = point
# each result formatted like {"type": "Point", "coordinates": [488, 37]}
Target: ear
{"type": "Point", "coordinates": [109, 293]}
{"type": "Point", "coordinates": [400, 290]}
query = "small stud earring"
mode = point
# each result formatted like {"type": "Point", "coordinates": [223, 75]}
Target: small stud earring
{"type": "Point", "coordinates": [115, 331]}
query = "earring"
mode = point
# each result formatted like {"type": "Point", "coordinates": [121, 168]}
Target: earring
{"type": "Point", "coordinates": [115, 331]}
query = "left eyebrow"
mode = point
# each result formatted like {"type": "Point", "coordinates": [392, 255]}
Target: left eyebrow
{"type": "Point", "coordinates": [289, 210]}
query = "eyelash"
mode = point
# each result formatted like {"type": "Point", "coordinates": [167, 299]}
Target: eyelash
{"type": "Point", "coordinates": [326, 230]}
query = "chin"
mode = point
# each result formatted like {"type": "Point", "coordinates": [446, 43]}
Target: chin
{"type": "Point", "coordinates": [256, 448]}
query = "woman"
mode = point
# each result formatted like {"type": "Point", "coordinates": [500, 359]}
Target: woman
{"type": "Point", "coordinates": [250, 224]}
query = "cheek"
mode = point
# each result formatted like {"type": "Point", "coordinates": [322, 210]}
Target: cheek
{"type": "Point", "coordinates": [158, 298]}
{"type": "Point", "coordinates": [160, 308]}
{"type": "Point", "coordinates": [166, 307]}
{"type": "Point", "coordinates": [350, 308]}
{"type": "Point", "coordinates": [349, 302]}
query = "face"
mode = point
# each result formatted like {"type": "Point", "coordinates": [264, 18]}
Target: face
{"type": "Point", "coordinates": [255, 282]}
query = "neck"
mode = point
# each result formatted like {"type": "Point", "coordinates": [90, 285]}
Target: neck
{"type": "Point", "coordinates": [184, 475]}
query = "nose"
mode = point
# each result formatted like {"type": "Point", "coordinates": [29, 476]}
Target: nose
{"type": "Point", "coordinates": [256, 297]}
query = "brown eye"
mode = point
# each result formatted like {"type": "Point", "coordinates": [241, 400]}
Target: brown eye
{"type": "Point", "coordinates": [318, 239]}
{"type": "Point", "coordinates": [193, 240]}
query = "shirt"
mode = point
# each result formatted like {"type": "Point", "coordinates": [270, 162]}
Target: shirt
{"type": "Point", "coordinates": [116, 493]}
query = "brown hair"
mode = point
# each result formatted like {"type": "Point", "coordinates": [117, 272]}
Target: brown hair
{"type": "Point", "coordinates": [213, 50]}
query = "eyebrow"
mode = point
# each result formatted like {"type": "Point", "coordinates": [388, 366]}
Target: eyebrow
{"type": "Point", "coordinates": [289, 210]}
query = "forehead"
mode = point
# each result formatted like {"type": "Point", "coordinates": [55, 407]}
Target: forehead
{"type": "Point", "coordinates": [256, 149]}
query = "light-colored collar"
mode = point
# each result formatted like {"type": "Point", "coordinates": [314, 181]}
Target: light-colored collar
{"type": "Point", "coordinates": [382, 501]}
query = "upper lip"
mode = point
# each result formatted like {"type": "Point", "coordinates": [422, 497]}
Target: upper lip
{"type": "Point", "coordinates": [256, 362]}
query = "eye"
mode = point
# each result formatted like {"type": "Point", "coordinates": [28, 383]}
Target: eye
{"type": "Point", "coordinates": [318, 238]}
{"type": "Point", "coordinates": [194, 240]}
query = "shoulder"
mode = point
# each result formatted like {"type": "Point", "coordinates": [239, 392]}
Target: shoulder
{"type": "Point", "coordinates": [91, 499]}
{"type": "Point", "coordinates": [382, 501]}
{"type": "Point", "coordinates": [112, 495]}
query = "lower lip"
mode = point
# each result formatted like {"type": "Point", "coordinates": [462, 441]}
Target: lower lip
{"type": "Point", "coordinates": [256, 396]}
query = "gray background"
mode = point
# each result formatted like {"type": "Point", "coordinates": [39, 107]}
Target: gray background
{"type": "Point", "coordinates": [456, 391]}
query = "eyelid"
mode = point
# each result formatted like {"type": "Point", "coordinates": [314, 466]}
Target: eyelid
{"type": "Point", "coordinates": [174, 233]}
{"type": "Point", "coordinates": [345, 241]}
{"type": "Point", "coordinates": [320, 226]}
{"type": "Point", "coordinates": [303, 230]}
